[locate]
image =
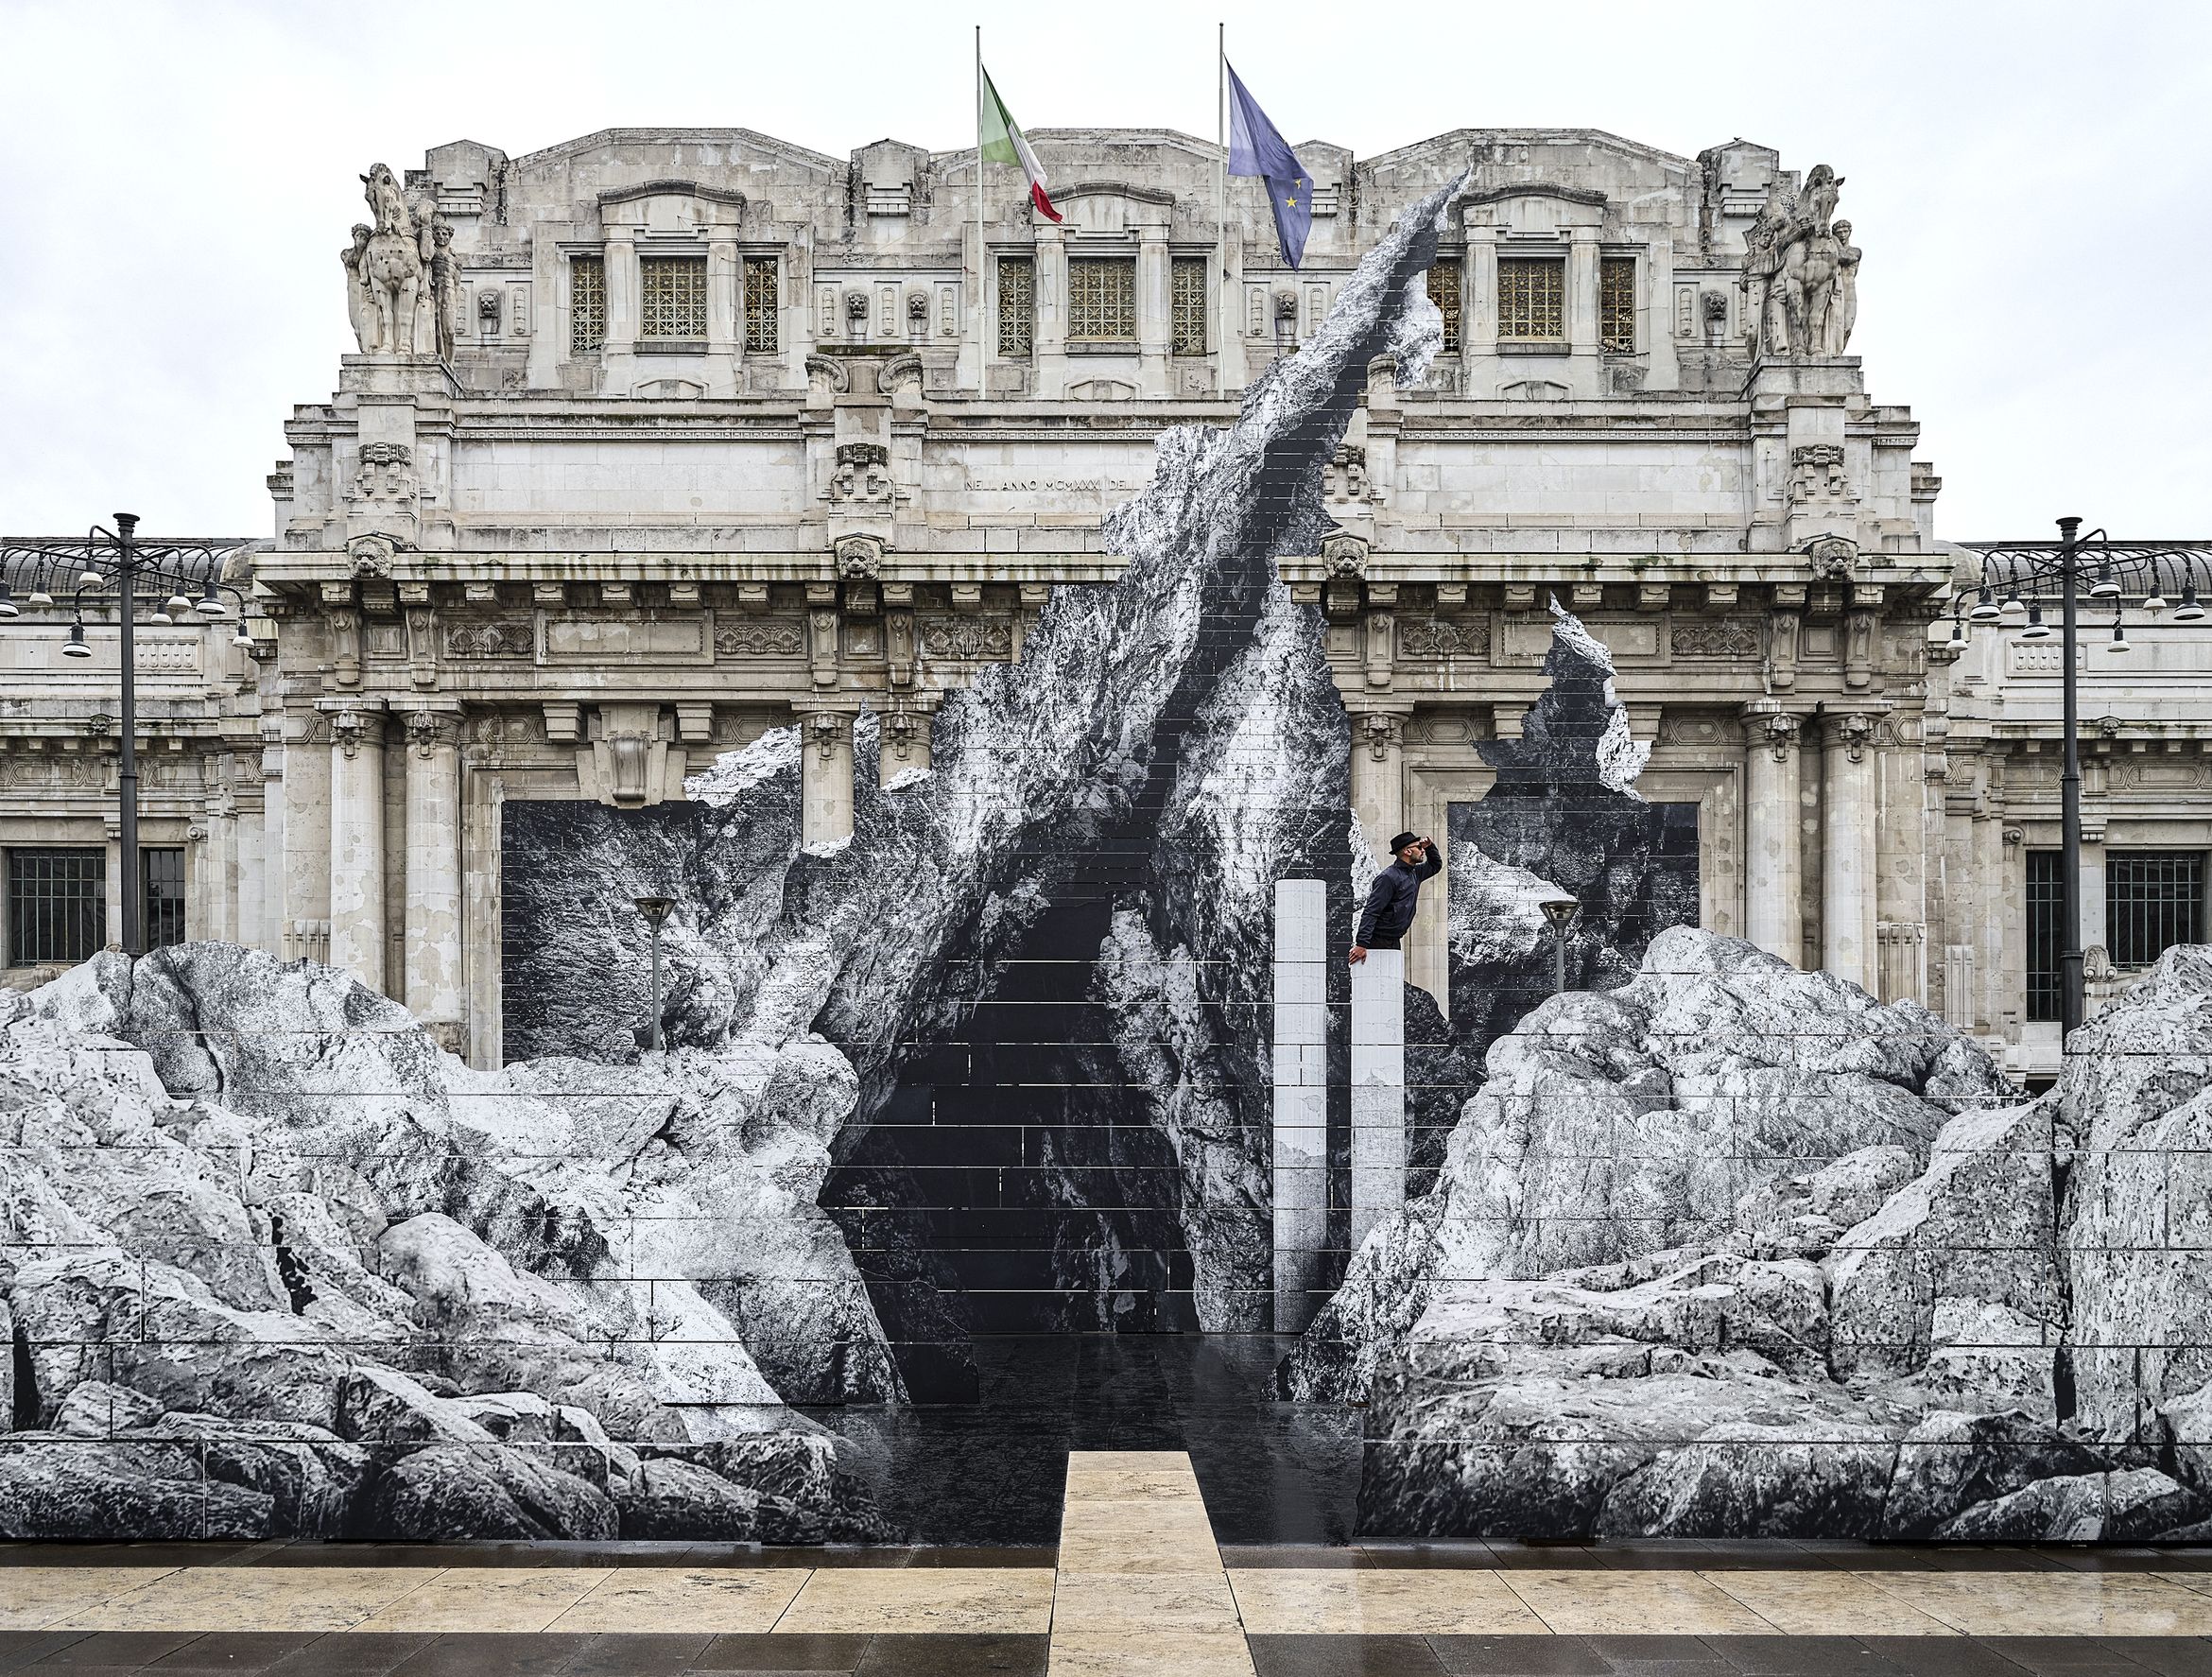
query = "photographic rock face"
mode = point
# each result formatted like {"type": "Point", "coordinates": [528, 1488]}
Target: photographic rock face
{"type": "Point", "coordinates": [1046, 960]}
{"type": "Point", "coordinates": [1706, 1247]}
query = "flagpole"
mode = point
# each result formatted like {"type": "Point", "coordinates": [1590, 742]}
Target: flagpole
{"type": "Point", "coordinates": [1221, 188]}
{"type": "Point", "coordinates": [982, 265]}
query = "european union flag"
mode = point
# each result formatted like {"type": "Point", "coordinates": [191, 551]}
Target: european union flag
{"type": "Point", "coordinates": [1256, 148]}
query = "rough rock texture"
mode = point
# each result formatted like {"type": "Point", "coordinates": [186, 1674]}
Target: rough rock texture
{"type": "Point", "coordinates": [1562, 819]}
{"type": "Point", "coordinates": [269, 1251]}
{"type": "Point", "coordinates": [1117, 803]}
{"type": "Point", "coordinates": [1733, 1250]}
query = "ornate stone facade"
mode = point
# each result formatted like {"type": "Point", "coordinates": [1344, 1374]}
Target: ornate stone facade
{"type": "Point", "coordinates": [657, 440]}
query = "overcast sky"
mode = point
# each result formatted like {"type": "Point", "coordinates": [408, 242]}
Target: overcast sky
{"type": "Point", "coordinates": [2028, 181]}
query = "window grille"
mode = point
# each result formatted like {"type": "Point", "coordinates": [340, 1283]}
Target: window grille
{"type": "Point", "coordinates": [2046, 936]}
{"type": "Point", "coordinates": [161, 876]}
{"type": "Point", "coordinates": [671, 297]}
{"type": "Point", "coordinates": [1616, 302]}
{"type": "Point", "coordinates": [2154, 899]}
{"type": "Point", "coordinates": [1102, 299]}
{"type": "Point", "coordinates": [587, 305]}
{"type": "Point", "coordinates": [760, 303]}
{"type": "Point", "coordinates": [56, 905]}
{"type": "Point", "coordinates": [1017, 305]}
{"type": "Point", "coordinates": [1445, 274]}
{"type": "Point", "coordinates": [1531, 299]}
{"type": "Point", "coordinates": [1188, 276]}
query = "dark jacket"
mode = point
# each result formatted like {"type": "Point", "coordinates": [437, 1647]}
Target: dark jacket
{"type": "Point", "coordinates": [1391, 901]}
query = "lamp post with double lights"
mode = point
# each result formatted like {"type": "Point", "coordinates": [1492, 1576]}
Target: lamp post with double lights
{"type": "Point", "coordinates": [2017, 580]}
{"type": "Point", "coordinates": [117, 561]}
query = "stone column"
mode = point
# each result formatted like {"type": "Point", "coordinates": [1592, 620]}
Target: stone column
{"type": "Point", "coordinates": [1379, 1090]}
{"type": "Point", "coordinates": [1300, 1131]}
{"type": "Point", "coordinates": [618, 353]}
{"type": "Point", "coordinates": [1378, 776]}
{"type": "Point", "coordinates": [725, 304]}
{"type": "Point", "coordinates": [1155, 309]}
{"type": "Point", "coordinates": [1773, 886]}
{"type": "Point", "coordinates": [305, 926]}
{"type": "Point", "coordinates": [1848, 863]}
{"type": "Point", "coordinates": [251, 925]}
{"type": "Point", "coordinates": [904, 745]}
{"type": "Point", "coordinates": [219, 874]}
{"type": "Point", "coordinates": [357, 843]}
{"type": "Point", "coordinates": [433, 977]}
{"type": "Point", "coordinates": [825, 776]}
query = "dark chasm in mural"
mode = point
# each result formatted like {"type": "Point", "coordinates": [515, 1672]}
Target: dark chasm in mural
{"type": "Point", "coordinates": [1704, 1247]}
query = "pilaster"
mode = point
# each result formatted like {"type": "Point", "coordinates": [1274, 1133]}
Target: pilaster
{"type": "Point", "coordinates": [356, 838]}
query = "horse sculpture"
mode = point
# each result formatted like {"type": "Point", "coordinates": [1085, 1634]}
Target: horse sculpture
{"type": "Point", "coordinates": [394, 268]}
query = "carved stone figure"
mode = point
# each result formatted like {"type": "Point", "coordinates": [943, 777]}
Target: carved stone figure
{"type": "Point", "coordinates": [362, 308]}
{"type": "Point", "coordinates": [446, 284]}
{"type": "Point", "coordinates": [1843, 312]}
{"type": "Point", "coordinates": [1762, 244]}
{"type": "Point", "coordinates": [393, 264]}
{"type": "Point", "coordinates": [1800, 270]}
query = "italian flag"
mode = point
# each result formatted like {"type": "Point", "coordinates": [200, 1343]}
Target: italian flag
{"type": "Point", "coordinates": [999, 139]}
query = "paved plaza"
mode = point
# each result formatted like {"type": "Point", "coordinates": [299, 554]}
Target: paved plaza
{"type": "Point", "coordinates": [1136, 1584]}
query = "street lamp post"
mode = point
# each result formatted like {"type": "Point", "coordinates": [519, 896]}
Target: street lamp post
{"type": "Point", "coordinates": [2060, 565]}
{"type": "Point", "coordinates": [96, 570]}
{"type": "Point", "coordinates": [126, 771]}
{"type": "Point", "coordinates": [655, 910]}
{"type": "Point", "coordinates": [1560, 912]}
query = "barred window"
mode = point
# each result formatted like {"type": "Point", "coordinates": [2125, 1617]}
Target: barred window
{"type": "Point", "coordinates": [587, 305]}
{"type": "Point", "coordinates": [671, 297]}
{"type": "Point", "coordinates": [1531, 299]}
{"type": "Point", "coordinates": [1102, 299]}
{"type": "Point", "coordinates": [2046, 934]}
{"type": "Point", "coordinates": [1616, 302]}
{"type": "Point", "coordinates": [56, 905]}
{"type": "Point", "coordinates": [760, 303]}
{"type": "Point", "coordinates": [1017, 305]}
{"type": "Point", "coordinates": [1445, 274]}
{"type": "Point", "coordinates": [1188, 288]}
{"type": "Point", "coordinates": [161, 873]}
{"type": "Point", "coordinates": [2154, 899]}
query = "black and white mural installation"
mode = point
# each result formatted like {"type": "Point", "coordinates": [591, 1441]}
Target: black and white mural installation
{"type": "Point", "coordinates": [1704, 1246]}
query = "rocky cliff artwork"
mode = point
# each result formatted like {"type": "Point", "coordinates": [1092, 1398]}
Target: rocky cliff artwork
{"type": "Point", "coordinates": [1737, 1251]}
{"type": "Point", "coordinates": [1706, 1246]}
{"type": "Point", "coordinates": [1564, 818]}
{"type": "Point", "coordinates": [278, 1265]}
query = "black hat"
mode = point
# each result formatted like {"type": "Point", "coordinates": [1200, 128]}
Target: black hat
{"type": "Point", "coordinates": [1402, 840]}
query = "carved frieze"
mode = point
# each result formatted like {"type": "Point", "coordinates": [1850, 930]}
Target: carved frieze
{"type": "Point", "coordinates": [1346, 476]}
{"type": "Point", "coordinates": [1721, 637]}
{"type": "Point", "coordinates": [776, 639]}
{"type": "Point", "coordinates": [981, 636]}
{"type": "Point", "coordinates": [861, 475]}
{"type": "Point", "coordinates": [387, 472]}
{"type": "Point", "coordinates": [495, 637]}
{"type": "Point", "coordinates": [1816, 472]}
{"type": "Point", "coordinates": [1444, 637]}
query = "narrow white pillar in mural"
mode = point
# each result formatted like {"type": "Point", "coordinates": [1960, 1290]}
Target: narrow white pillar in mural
{"type": "Point", "coordinates": [1378, 1089]}
{"type": "Point", "coordinates": [1302, 1095]}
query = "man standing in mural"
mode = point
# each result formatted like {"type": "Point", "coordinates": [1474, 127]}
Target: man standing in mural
{"type": "Point", "coordinates": [1394, 896]}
